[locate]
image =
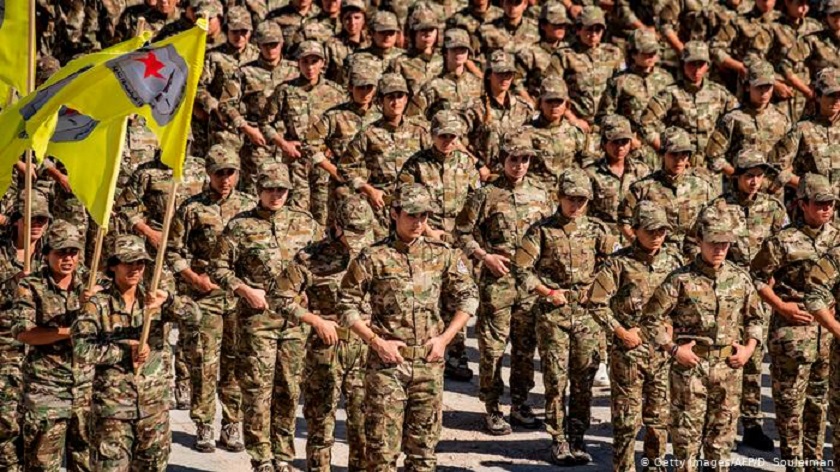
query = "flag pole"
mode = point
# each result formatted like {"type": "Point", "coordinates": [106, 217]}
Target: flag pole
{"type": "Point", "coordinates": [27, 179]}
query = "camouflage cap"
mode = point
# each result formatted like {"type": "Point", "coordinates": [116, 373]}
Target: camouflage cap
{"type": "Point", "coordinates": [274, 175]}
{"type": "Point", "coordinates": [748, 159]}
{"type": "Point", "coordinates": [413, 199]}
{"type": "Point", "coordinates": [220, 157]}
{"type": "Point", "coordinates": [761, 73]}
{"type": "Point", "coordinates": [501, 62]}
{"type": "Point", "coordinates": [310, 48]}
{"type": "Point", "coordinates": [695, 51]}
{"type": "Point", "coordinates": [207, 8]}
{"type": "Point", "coordinates": [456, 38]}
{"type": "Point", "coordinates": [423, 19]}
{"type": "Point", "coordinates": [554, 88]}
{"type": "Point", "coordinates": [716, 226]}
{"type": "Point", "coordinates": [392, 83]}
{"type": "Point", "coordinates": [518, 144]}
{"type": "Point", "coordinates": [130, 248]}
{"type": "Point", "coordinates": [816, 188]}
{"type": "Point", "coordinates": [238, 18]}
{"type": "Point", "coordinates": [385, 21]}
{"type": "Point", "coordinates": [40, 206]}
{"type": "Point", "coordinates": [364, 73]}
{"type": "Point", "coordinates": [555, 13]}
{"type": "Point", "coordinates": [268, 32]}
{"type": "Point", "coordinates": [615, 127]}
{"type": "Point", "coordinates": [650, 216]}
{"type": "Point", "coordinates": [575, 183]}
{"type": "Point", "coordinates": [63, 235]}
{"type": "Point", "coordinates": [349, 5]}
{"type": "Point", "coordinates": [447, 122]}
{"type": "Point", "coordinates": [831, 6]}
{"type": "Point", "coordinates": [353, 214]}
{"type": "Point", "coordinates": [828, 81]}
{"type": "Point", "coordinates": [644, 41]}
{"type": "Point", "coordinates": [676, 140]}
{"type": "Point", "coordinates": [592, 15]}
{"type": "Point", "coordinates": [46, 67]}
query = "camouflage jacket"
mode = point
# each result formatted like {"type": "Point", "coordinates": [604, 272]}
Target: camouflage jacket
{"type": "Point", "coordinates": [337, 49]}
{"type": "Point", "coordinates": [448, 91]}
{"type": "Point", "coordinates": [586, 71]}
{"type": "Point", "coordinates": [792, 51]}
{"type": "Point", "coordinates": [532, 64]}
{"type": "Point", "coordinates": [713, 307]}
{"type": "Point", "coordinates": [745, 128]}
{"type": "Point", "coordinates": [629, 92]}
{"type": "Point", "coordinates": [377, 58]}
{"type": "Point", "coordinates": [698, 20]}
{"type": "Point", "coordinates": [750, 36]}
{"type": "Point", "coordinates": [499, 34]}
{"type": "Point", "coordinates": [472, 21]}
{"type": "Point", "coordinates": [450, 179]}
{"type": "Point", "coordinates": [487, 121]}
{"type": "Point", "coordinates": [220, 67]}
{"type": "Point", "coordinates": [497, 216]}
{"type": "Point", "coordinates": [291, 20]}
{"type": "Point", "coordinates": [559, 146]}
{"type": "Point", "coordinates": [811, 146]}
{"type": "Point", "coordinates": [821, 282]}
{"type": "Point", "coordinates": [126, 26]}
{"type": "Point", "coordinates": [418, 69]}
{"type": "Point", "coordinates": [246, 95]}
{"type": "Point", "coordinates": [11, 350]}
{"type": "Point", "coordinates": [295, 106]}
{"type": "Point", "coordinates": [407, 284]}
{"type": "Point", "coordinates": [329, 136]}
{"type": "Point", "coordinates": [609, 190]}
{"type": "Point", "coordinates": [821, 49]}
{"type": "Point", "coordinates": [320, 29]}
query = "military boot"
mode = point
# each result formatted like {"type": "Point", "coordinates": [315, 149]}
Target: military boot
{"type": "Point", "coordinates": [522, 415]}
{"type": "Point", "coordinates": [561, 454]}
{"type": "Point", "coordinates": [495, 424]}
{"type": "Point", "coordinates": [458, 369]}
{"type": "Point", "coordinates": [755, 438]}
{"type": "Point", "coordinates": [205, 438]}
{"type": "Point", "coordinates": [230, 438]}
{"type": "Point", "coordinates": [581, 457]}
{"type": "Point", "coordinates": [182, 396]}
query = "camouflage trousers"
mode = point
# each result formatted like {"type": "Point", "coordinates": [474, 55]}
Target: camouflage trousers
{"type": "Point", "coordinates": [751, 391]}
{"type": "Point", "coordinates": [569, 344]}
{"type": "Point", "coordinates": [271, 355]}
{"type": "Point", "coordinates": [140, 445]}
{"type": "Point", "coordinates": [834, 399]}
{"type": "Point", "coordinates": [48, 439]}
{"type": "Point", "coordinates": [403, 413]}
{"type": "Point", "coordinates": [310, 189]}
{"type": "Point", "coordinates": [799, 371]}
{"type": "Point", "coordinates": [639, 396]}
{"type": "Point", "coordinates": [11, 393]}
{"type": "Point", "coordinates": [504, 315]}
{"type": "Point", "coordinates": [330, 372]}
{"type": "Point", "coordinates": [186, 348]}
{"type": "Point", "coordinates": [215, 367]}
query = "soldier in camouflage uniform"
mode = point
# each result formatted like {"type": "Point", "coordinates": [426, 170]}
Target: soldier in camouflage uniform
{"type": "Point", "coordinates": [638, 372]}
{"type": "Point", "coordinates": [253, 250]}
{"type": "Point", "coordinates": [422, 62]}
{"type": "Point", "coordinates": [496, 112]}
{"type": "Point", "coordinates": [336, 357]}
{"type": "Point", "coordinates": [56, 393]}
{"type": "Point", "coordinates": [613, 174]}
{"type": "Point", "coordinates": [679, 191]}
{"type": "Point", "coordinates": [818, 50]}
{"type": "Point", "coordinates": [292, 110]}
{"type": "Point", "coordinates": [450, 176]}
{"type": "Point", "coordinates": [489, 229]}
{"type": "Point", "coordinates": [409, 279]}
{"type": "Point", "coordinates": [291, 17]}
{"type": "Point", "coordinates": [534, 60]}
{"type": "Point", "coordinates": [325, 25]}
{"type": "Point", "coordinates": [694, 103]}
{"type": "Point", "coordinates": [375, 156]}
{"type": "Point", "coordinates": [756, 217]}
{"type": "Point", "coordinates": [130, 383]}
{"type": "Point", "coordinates": [244, 101]}
{"type": "Point", "coordinates": [456, 86]}
{"type": "Point", "coordinates": [588, 64]}
{"type": "Point", "coordinates": [707, 316]}
{"type": "Point", "coordinates": [756, 124]}
{"type": "Point", "coordinates": [790, 59]}
{"type": "Point", "coordinates": [195, 228]}
{"type": "Point", "coordinates": [471, 18]}
{"type": "Point", "coordinates": [155, 13]}
{"type": "Point", "coordinates": [799, 348]}
{"type": "Point", "coordinates": [383, 49]}
{"type": "Point", "coordinates": [556, 260]}
{"type": "Point", "coordinates": [682, 21]}
{"type": "Point", "coordinates": [12, 351]}
{"type": "Point", "coordinates": [353, 37]}
{"type": "Point", "coordinates": [328, 137]}
{"type": "Point", "coordinates": [511, 32]}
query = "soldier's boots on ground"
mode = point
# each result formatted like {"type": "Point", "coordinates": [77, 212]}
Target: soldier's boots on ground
{"type": "Point", "coordinates": [183, 395]}
{"type": "Point", "coordinates": [495, 424]}
{"type": "Point", "coordinates": [755, 438]}
{"type": "Point", "coordinates": [231, 437]}
{"type": "Point", "coordinates": [522, 415]}
{"type": "Point", "coordinates": [205, 438]}
{"type": "Point", "coordinates": [561, 453]}
{"type": "Point", "coordinates": [457, 368]}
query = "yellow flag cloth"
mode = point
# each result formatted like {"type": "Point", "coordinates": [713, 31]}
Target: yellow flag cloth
{"type": "Point", "coordinates": [14, 43]}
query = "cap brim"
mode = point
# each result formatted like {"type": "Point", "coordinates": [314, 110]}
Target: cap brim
{"type": "Point", "coordinates": [697, 58]}
{"type": "Point", "coordinates": [134, 256]}
{"type": "Point", "coordinates": [554, 96]}
{"type": "Point", "coordinates": [239, 26]}
{"type": "Point", "coordinates": [502, 69]}
{"type": "Point", "coordinates": [762, 81]}
{"type": "Point", "coordinates": [830, 90]}
{"type": "Point", "coordinates": [824, 197]}
{"type": "Point", "coordinates": [453, 45]}
{"type": "Point", "coordinates": [274, 184]}
{"type": "Point", "coordinates": [215, 168]}
{"type": "Point", "coordinates": [67, 245]}
{"type": "Point", "coordinates": [763, 165]}
{"type": "Point", "coordinates": [651, 49]}
{"type": "Point", "coordinates": [577, 193]}
{"type": "Point", "coordinates": [383, 28]}
{"type": "Point", "coordinates": [387, 90]}
{"type": "Point", "coordinates": [619, 135]}
{"type": "Point", "coordinates": [586, 23]}
{"type": "Point", "coordinates": [447, 130]}
{"type": "Point", "coordinates": [690, 149]}
{"type": "Point", "coordinates": [719, 237]}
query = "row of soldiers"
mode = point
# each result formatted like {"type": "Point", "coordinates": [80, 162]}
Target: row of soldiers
{"type": "Point", "coordinates": [545, 137]}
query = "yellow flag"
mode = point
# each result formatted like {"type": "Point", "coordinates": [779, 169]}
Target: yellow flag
{"type": "Point", "coordinates": [14, 43]}
{"type": "Point", "coordinates": [13, 139]}
{"type": "Point", "coordinates": [158, 82]}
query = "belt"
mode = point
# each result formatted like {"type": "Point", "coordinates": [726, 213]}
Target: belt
{"type": "Point", "coordinates": [712, 352]}
{"type": "Point", "coordinates": [414, 353]}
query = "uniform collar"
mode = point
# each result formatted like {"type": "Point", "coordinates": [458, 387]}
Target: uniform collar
{"type": "Point", "coordinates": [704, 268]}
{"type": "Point", "coordinates": [405, 248]}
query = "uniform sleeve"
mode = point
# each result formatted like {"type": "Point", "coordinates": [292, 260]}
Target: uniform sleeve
{"type": "Point", "coordinates": [656, 318]}
{"type": "Point", "coordinates": [467, 224]}
{"type": "Point", "coordinates": [177, 254]}
{"type": "Point", "coordinates": [315, 147]}
{"type": "Point", "coordinates": [604, 287]}
{"type": "Point", "coordinates": [609, 100]}
{"type": "Point", "coordinates": [223, 262]}
{"type": "Point", "coordinates": [627, 206]}
{"type": "Point", "coordinates": [354, 287]}
{"type": "Point", "coordinates": [25, 309]}
{"type": "Point", "coordinates": [820, 282]}
{"type": "Point", "coordinates": [91, 346]}
{"type": "Point", "coordinates": [766, 262]}
{"type": "Point", "coordinates": [722, 42]}
{"type": "Point", "coordinates": [290, 284]}
{"type": "Point", "coordinates": [526, 257]}
{"type": "Point", "coordinates": [352, 166]}
{"type": "Point", "coordinates": [208, 75]}
{"type": "Point", "coordinates": [230, 100]}
{"type": "Point", "coordinates": [651, 120]}
{"type": "Point", "coordinates": [754, 315]}
{"type": "Point", "coordinates": [458, 285]}
{"type": "Point", "coordinates": [669, 15]}
{"type": "Point", "coordinates": [129, 205]}
{"type": "Point", "coordinates": [273, 124]}
{"type": "Point", "coordinates": [784, 153]}
{"type": "Point", "coordinates": [719, 143]}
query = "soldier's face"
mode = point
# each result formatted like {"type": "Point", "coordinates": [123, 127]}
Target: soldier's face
{"type": "Point", "coordinates": [129, 274]}
{"type": "Point", "coordinates": [331, 7]}
{"type": "Point", "coordinates": [273, 198]}
{"type": "Point", "coordinates": [618, 148]}
{"type": "Point", "coordinates": [816, 213]}
{"type": "Point", "coordinates": [760, 95]}
{"type": "Point", "coordinates": [713, 253]}
{"type": "Point", "coordinates": [645, 60]}
{"type": "Point", "coordinates": [651, 239]}
{"type": "Point", "coordinates": [591, 35]}
{"type": "Point", "coordinates": [676, 163]}
{"type": "Point", "coordinates": [410, 226]}
{"type": "Point", "coordinates": [457, 56]}
{"type": "Point", "coordinates": [796, 8]}
{"type": "Point", "coordinates": [310, 67]}
{"type": "Point", "coordinates": [214, 26]}
{"type": "Point", "coordinates": [501, 81]}
{"type": "Point", "coordinates": [830, 104]}
{"type": "Point", "coordinates": [164, 6]}
{"type": "Point", "coordinates": [37, 229]}
{"type": "Point", "coordinates": [446, 143]}
{"type": "Point", "coordinates": [554, 32]}
{"type": "Point", "coordinates": [63, 262]}
{"type": "Point", "coordinates": [425, 39]}
{"type": "Point", "coordinates": [271, 51]}
{"type": "Point", "coordinates": [573, 207]}
{"type": "Point", "coordinates": [514, 9]}
{"type": "Point", "coordinates": [480, 5]}
{"type": "Point", "coordinates": [224, 181]}
{"type": "Point", "coordinates": [363, 94]}
{"type": "Point", "coordinates": [553, 109]}
{"type": "Point", "coordinates": [517, 166]}
{"type": "Point", "coordinates": [765, 5]}
{"type": "Point", "coordinates": [239, 38]}
{"type": "Point", "coordinates": [385, 39]}
{"type": "Point", "coordinates": [302, 4]}
{"type": "Point", "coordinates": [393, 104]}
{"type": "Point", "coordinates": [750, 182]}
{"type": "Point", "coordinates": [353, 22]}
{"type": "Point", "coordinates": [695, 71]}
{"type": "Point", "coordinates": [833, 21]}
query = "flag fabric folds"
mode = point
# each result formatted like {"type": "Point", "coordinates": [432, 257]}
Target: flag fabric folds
{"type": "Point", "coordinates": [14, 44]}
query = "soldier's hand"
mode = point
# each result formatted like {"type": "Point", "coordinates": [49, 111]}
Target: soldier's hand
{"type": "Point", "coordinates": [139, 355]}
{"type": "Point", "coordinates": [376, 198]}
{"type": "Point", "coordinates": [154, 237]}
{"type": "Point", "coordinates": [575, 10]}
{"type": "Point", "coordinates": [630, 337]}
{"type": "Point", "coordinates": [203, 284]}
{"type": "Point", "coordinates": [558, 298]}
{"type": "Point", "coordinates": [388, 351]}
{"type": "Point", "coordinates": [254, 297]}
{"type": "Point", "coordinates": [484, 173]}
{"type": "Point", "coordinates": [741, 357]}
{"type": "Point", "coordinates": [88, 294]}
{"type": "Point", "coordinates": [497, 264]}
{"type": "Point", "coordinates": [63, 180]}
{"type": "Point", "coordinates": [782, 90]}
{"type": "Point", "coordinates": [438, 349]}
{"type": "Point", "coordinates": [156, 301]}
{"type": "Point", "coordinates": [21, 275]}
{"type": "Point", "coordinates": [291, 148]}
{"type": "Point", "coordinates": [254, 135]}
{"type": "Point", "coordinates": [685, 355]}
{"type": "Point", "coordinates": [326, 331]}
{"type": "Point", "coordinates": [794, 313]}
{"type": "Point", "coordinates": [582, 124]}
{"type": "Point", "coordinates": [438, 234]}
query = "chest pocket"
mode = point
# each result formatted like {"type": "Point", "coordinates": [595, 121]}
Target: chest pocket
{"type": "Point", "coordinates": [630, 299]}
{"type": "Point", "coordinates": [392, 293]}
{"type": "Point", "coordinates": [54, 313]}
{"type": "Point", "coordinates": [259, 257]}
{"type": "Point", "coordinates": [499, 228]}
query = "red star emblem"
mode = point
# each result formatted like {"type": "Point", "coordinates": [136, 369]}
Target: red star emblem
{"type": "Point", "coordinates": [70, 112]}
{"type": "Point", "coordinates": [153, 65]}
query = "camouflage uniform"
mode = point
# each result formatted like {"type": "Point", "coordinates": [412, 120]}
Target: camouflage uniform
{"type": "Point", "coordinates": [378, 152]}
{"type": "Point", "coordinates": [338, 47]}
{"type": "Point", "coordinates": [502, 34]}
{"type": "Point", "coordinates": [56, 392]}
{"type": "Point", "coordinates": [533, 61]}
{"type": "Point", "coordinates": [245, 102]}
{"type": "Point", "coordinates": [130, 411]}
{"type": "Point", "coordinates": [715, 308]}
{"type": "Point", "coordinates": [291, 20]}
{"type": "Point", "coordinates": [195, 228]}
{"type": "Point", "coordinates": [799, 353]}
{"type": "Point", "coordinates": [561, 253]}
{"type": "Point", "coordinates": [382, 21]}
{"type": "Point", "coordinates": [746, 39]}
{"type": "Point", "coordinates": [418, 68]}
{"type": "Point", "coordinates": [790, 58]}
{"type": "Point", "coordinates": [331, 370]}
{"type": "Point", "coordinates": [126, 26]}
{"type": "Point", "coordinates": [682, 196]}
{"type": "Point", "coordinates": [254, 248]}
{"type": "Point", "coordinates": [406, 284]}
{"type": "Point", "coordinates": [472, 20]}
{"type": "Point", "coordinates": [639, 375]}
{"type": "Point", "coordinates": [494, 221]}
